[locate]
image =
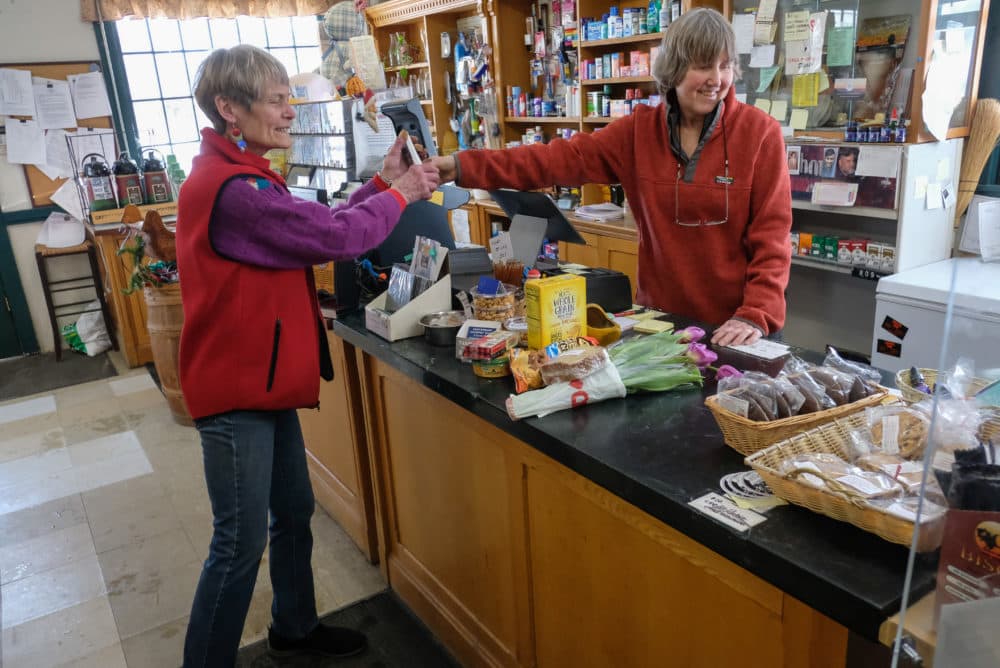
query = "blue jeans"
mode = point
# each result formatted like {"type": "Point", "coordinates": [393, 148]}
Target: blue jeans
{"type": "Point", "coordinates": [254, 461]}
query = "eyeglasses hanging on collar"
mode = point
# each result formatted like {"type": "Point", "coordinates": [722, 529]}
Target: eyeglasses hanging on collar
{"type": "Point", "coordinates": [725, 180]}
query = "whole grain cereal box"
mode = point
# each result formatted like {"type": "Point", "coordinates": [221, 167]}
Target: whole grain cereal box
{"type": "Point", "coordinates": [556, 309]}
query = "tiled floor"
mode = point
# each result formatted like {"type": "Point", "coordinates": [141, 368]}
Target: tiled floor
{"type": "Point", "coordinates": [104, 524]}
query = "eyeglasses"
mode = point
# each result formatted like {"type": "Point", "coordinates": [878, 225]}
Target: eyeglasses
{"type": "Point", "coordinates": [726, 181]}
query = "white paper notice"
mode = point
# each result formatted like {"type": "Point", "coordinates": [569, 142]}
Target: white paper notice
{"type": "Point", "coordinates": [90, 97]}
{"type": "Point", "coordinates": [805, 56]}
{"type": "Point", "coordinates": [762, 56]}
{"type": "Point", "coordinates": [779, 110]}
{"type": "Point", "coordinates": [878, 161]}
{"type": "Point", "coordinates": [743, 27]}
{"type": "Point", "coordinates": [366, 62]}
{"type": "Point", "coordinates": [763, 348]}
{"type": "Point", "coordinates": [966, 634]}
{"type": "Point", "coordinates": [93, 140]}
{"type": "Point", "coordinates": [722, 509]}
{"type": "Point", "coordinates": [16, 97]}
{"type": "Point", "coordinates": [53, 104]}
{"type": "Point", "coordinates": [920, 187]}
{"type": "Point", "coordinates": [57, 161]}
{"type": "Point", "coordinates": [460, 226]}
{"type": "Point", "coordinates": [831, 193]}
{"type": "Point", "coordinates": [969, 241]}
{"type": "Point", "coordinates": [800, 118]}
{"type": "Point", "coordinates": [501, 248]}
{"type": "Point", "coordinates": [25, 142]}
{"type": "Point", "coordinates": [796, 25]}
{"type": "Point", "coordinates": [67, 197]}
{"type": "Point", "coordinates": [934, 195]}
{"type": "Point", "coordinates": [765, 27]}
{"type": "Point", "coordinates": [942, 92]}
{"type": "Point", "coordinates": [989, 230]}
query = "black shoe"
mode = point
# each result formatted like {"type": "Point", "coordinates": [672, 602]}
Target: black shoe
{"type": "Point", "coordinates": [332, 641]}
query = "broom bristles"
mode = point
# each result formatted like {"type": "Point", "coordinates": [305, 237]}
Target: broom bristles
{"type": "Point", "coordinates": [983, 136]}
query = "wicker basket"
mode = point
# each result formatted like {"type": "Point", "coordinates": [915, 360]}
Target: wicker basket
{"type": "Point", "coordinates": [747, 436]}
{"type": "Point", "coordinates": [912, 396]}
{"type": "Point", "coordinates": [833, 438]}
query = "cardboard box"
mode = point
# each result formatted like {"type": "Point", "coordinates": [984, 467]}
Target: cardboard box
{"type": "Point", "coordinates": [405, 322]}
{"type": "Point", "coordinates": [844, 251]}
{"type": "Point", "coordinates": [795, 243]}
{"type": "Point", "coordinates": [830, 248]}
{"type": "Point", "coordinates": [816, 249]}
{"type": "Point", "coordinates": [859, 252]}
{"type": "Point", "coordinates": [888, 259]}
{"type": "Point", "coordinates": [556, 309]}
{"type": "Point", "coordinates": [805, 243]}
{"type": "Point", "coordinates": [472, 330]}
{"type": "Point", "coordinates": [874, 257]}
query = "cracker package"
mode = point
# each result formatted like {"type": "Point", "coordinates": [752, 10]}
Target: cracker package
{"type": "Point", "coordinates": [556, 309]}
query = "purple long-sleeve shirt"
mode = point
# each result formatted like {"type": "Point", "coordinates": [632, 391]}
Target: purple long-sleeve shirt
{"type": "Point", "coordinates": [259, 223]}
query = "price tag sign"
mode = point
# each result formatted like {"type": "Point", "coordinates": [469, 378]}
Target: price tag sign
{"type": "Point", "coordinates": [868, 274]}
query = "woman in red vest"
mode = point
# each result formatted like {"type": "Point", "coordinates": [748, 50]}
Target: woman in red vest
{"type": "Point", "coordinates": [705, 176]}
{"type": "Point", "coordinates": [253, 347]}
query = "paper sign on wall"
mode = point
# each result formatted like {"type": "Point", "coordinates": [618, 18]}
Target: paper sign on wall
{"type": "Point", "coordinates": [743, 27]}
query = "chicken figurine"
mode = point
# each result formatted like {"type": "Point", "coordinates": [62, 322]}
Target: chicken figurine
{"type": "Point", "coordinates": [160, 242]}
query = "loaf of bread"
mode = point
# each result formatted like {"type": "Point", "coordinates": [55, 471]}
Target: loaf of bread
{"type": "Point", "coordinates": [574, 364]}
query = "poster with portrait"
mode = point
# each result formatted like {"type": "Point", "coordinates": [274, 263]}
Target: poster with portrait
{"type": "Point", "coordinates": [793, 158]}
{"type": "Point", "coordinates": [825, 162]}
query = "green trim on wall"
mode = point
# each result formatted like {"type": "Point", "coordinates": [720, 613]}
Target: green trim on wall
{"type": "Point", "coordinates": [12, 281]}
{"type": "Point", "coordinates": [27, 216]}
{"type": "Point", "coordinates": [127, 128]}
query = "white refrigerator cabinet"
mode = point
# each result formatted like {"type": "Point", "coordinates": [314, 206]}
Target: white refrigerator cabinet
{"type": "Point", "coordinates": [918, 298]}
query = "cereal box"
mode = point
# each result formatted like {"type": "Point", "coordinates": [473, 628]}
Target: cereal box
{"type": "Point", "coordinates": [844, 251]}
{"type": "Point", "coordinates": [805, 243]}
{"type": "Point", "coordinates": [859, 252]}
{"type": "Point", "coordinates": [888, 259]}
{"type": "Point", "coordinates": [556, 309]}
{"type": "Point", "coordinates": [874, 256]}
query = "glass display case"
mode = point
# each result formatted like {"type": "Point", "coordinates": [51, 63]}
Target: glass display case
{"type": "Point", "coordinates": [821, 66]}
{"type": "Point", "coordinates": [957, 385]}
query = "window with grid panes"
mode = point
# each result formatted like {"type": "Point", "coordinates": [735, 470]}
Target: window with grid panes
{"type": "Point", "coordinates": [160, 58]}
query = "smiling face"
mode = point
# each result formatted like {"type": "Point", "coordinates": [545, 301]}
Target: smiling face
{"type": "Point", "coordinates": [266, 123]}
{"type": "Point", "coordinates": [703, 86]}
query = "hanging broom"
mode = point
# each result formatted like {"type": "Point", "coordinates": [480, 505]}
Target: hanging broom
{"type": "Point", "coordinates": [983, 138]}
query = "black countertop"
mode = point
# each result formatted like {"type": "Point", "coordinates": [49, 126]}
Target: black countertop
{"type": "Point", "coordinates": [660, 451]}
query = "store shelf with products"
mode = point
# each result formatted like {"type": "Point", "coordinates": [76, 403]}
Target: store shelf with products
{"type": "Point", "coordinates": [534, 120]}
{"type": "Point", "coordinates": [859, 60]}
{"type": "Point", "coordinates": [617, 80]}
{"type": "Point", "coordinates": [411, 66]}
{"type": "Point", "coordinates": [618, 41]}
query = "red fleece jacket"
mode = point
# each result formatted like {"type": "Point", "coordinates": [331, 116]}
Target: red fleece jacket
{"type": "Point", "coordinates": [709, 273]}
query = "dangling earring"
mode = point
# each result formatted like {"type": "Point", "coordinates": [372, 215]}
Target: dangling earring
{"type": "Point", "coordinates": [241, 143]}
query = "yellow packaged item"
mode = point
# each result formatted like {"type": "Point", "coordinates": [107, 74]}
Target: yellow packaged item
{"type": "Point", "coordinates": [556, 309]}
{"type": "Point", "coordinates": [652, 326]}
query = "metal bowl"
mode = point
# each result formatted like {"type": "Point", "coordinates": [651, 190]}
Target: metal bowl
{"type": "Point", "coordinates": [441, 327]}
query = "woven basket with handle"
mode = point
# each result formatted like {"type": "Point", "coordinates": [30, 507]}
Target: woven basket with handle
{"type": "Point", "coordinates": [747, 436]}
{"type": "Point", "coordinates": [834, 438]}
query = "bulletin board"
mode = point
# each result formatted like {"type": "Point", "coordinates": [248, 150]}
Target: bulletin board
{"type": "Point", "coordinates": [40, 186]}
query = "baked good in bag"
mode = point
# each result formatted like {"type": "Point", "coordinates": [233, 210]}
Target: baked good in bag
{"type": "Point", "coordinates": [573, 364]}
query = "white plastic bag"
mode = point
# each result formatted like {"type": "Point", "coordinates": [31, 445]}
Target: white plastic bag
{"type": "Point", "coordinates": [92, 330]}
{"type": "Point", "coordinates": [605, 383]}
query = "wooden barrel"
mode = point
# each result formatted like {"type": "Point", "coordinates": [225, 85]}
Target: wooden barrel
{"type": "Point", "coordinates": [164, 317]}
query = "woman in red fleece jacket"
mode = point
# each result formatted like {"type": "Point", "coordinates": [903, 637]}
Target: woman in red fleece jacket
{"type": "Point", "coordinates": [705, 176]}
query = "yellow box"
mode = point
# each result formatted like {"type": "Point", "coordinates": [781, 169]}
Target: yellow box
{"type": "Point", "coordinates": [556, 309]}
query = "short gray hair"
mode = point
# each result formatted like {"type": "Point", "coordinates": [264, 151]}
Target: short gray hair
{"type": "Point", "coordinates": [239, 74]}
{"type": "Point", "coordinates": [696, 38]}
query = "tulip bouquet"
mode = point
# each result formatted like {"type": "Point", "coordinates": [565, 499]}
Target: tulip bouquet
{"type": "Point", "coordinates": [656, 363]}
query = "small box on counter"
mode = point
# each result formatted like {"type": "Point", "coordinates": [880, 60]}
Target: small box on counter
{"type": "Point", "coordinates": [556, 309]}
{"type": "Point", "coordinates": [471, 331]}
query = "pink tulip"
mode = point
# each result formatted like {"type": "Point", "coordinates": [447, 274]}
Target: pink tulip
{"type": "Point", "coordinates": [690, 334]}
{"type": "Point", "coordinates": [701, 355]}
{"type": "Point", "coordinates": [727, 371]}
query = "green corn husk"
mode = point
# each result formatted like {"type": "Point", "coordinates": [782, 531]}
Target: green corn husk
{"type": "Point", "coordinates": [655, 363]}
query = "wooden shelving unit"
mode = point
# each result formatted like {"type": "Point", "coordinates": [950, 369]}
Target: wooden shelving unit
{"type": "Point", "coordinates": [617, 80]}
{"type": "Point", "coordinates": [538, 120]}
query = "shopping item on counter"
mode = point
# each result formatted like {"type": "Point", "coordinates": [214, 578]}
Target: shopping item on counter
{"type": "Point", "coordinates": [573, 364]}
{"type": "Point", "coordinates": [605, 383]}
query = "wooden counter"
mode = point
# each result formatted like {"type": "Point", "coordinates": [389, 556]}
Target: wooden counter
{"type": "Point", "coordinates": [568, 541]}
{"type": "Point", "coordinates": [129, 311]}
